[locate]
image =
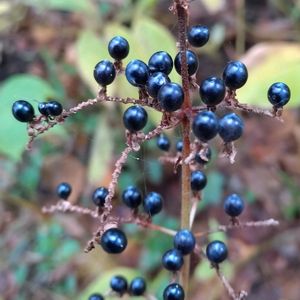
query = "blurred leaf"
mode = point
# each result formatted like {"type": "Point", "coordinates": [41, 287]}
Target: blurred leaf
{"type": "Point", "coordinates": [204, 271]}
{"type": "Point", "coordinates": [154, 170]}
{"type": "Point", "coordinates": [159, 283]}
{"type": "Point", "coordinates": [213, 6]}
{"type": "Point", "coordinates": [220, 235]}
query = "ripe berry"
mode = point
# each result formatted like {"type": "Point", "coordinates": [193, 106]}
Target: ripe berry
{"type": "Point", "coordinates": [119, 284]}
{"type": "Point", "coordinates": [96, 297]}
{"type": "Point", "coordinates": [179, 146]}
{"type": "Point", "coordinates": [174, 291]}
{"type": "Point", "coordinates": [118, 48]}
{"type": "Point", "coordinates": [23, 111]}
{"type": "Point", "coordinates": [205, 126]}
{"type": "Point", "coordinates": [113, 241]}
{"type": "Point", "coordinates": [233, 205]}
{"type": "Point", "coordinates": [137, 286]}
{"type": "Point", "coordinates": [137, 73]}
{"type": "Point", "coordinates": [279, 94]}
{"type": "Point", "coordinates": [161, 61]}
{"type": "Point", "coordinates": [155, 82]}
{"type": "Point", "coordinates": [212, 91]}
{"type": "Point", "coordinates": [99, 196]}
{"type": "Point", "coordinates": [104, 72]}
{"type": "Point", "coordinates": [216, 252]}
{"type": "Point", "coordinates": [135, 118]}
{"type": "Point", "coordinates": [63, 190]}
{"type": "Point", "coordinates": [191, 60]}
{"type": "Point", "coordinates": [172, 260]}
{"type": "Point", "coordinates": [54, 108]}
{"type": "Point", "coordinates": [132, 197]}
{"type": "Point", "coordinates": [153, 203]}
{"type": "Point", "coordinates": [206, 153]}
{"type": "Point", "coordinates": [163, 142]}
{"type": "Point", "coordinates": [198, 180]}
{"type": "Point", "coordinates": [170, 96]}
{"type": "Point", "coordinates": [231, 127]}
{"type": "Point", "coordinates": [42, 107]}
{"type": "Point", "coordinates": [198, 35]}
{"type": "Point", "coordinates": [235, 75]}
{"type": "Point", "coordinates": [184, 241]}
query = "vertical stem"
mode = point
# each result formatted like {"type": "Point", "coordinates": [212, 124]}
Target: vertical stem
{"type": "Point", "coordinates": [240, 27]}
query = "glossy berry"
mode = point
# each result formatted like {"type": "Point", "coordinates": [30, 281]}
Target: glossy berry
{"type": "Point", "coordinates": [163, 142]}
{"type": "Point", "coordinates": [174, 291]}
{"type": "Point", "coordinates": [160, 61]}
{"type": "Point", "coordinates": [155, 82]}
{"type": "Point", "coordinates": [135, 118]}
{"type": "Point", "coordinates": [23, 111]}
{"type": "Point", "coordinates": [233, 205]}
{"type": "Point", "coordinates": [198, 35]}
{"type": "Point", "coordinates": [63, 190]}
{"type": "Point", "coordinates": [172, 260]}
{"type": "Point", "coordinates": [54, 108]}
{"type": "Point", "coordinates": [170, 96]}
{"type": "Point", "coordinates": [231, 127]}
{"type": "Point", "coordinates": [99, 196]}
{"type": "Point", "coordinates": [153, 203]}
{"type": "Point", "coordinates": [212, 91]}
{"type": "Point", "coordinates": [205, 126]}
{"type": "Point", "coordinates": [198, 180]}
{"type": "Point", "coordinates": [119, 284]}
{"type": "Point", "coordinates": [118, 48]}
{"type": "Point", "coordinates": [206, 153]}
{"type": "Point", "coordinates": [179, 146]}
{"type": "Point", "coordinates": [42, 107]}
{"type": "Point", "coordinates": [235, 75]}
{"type": "Point", "coordinates": [137, 286]}
{"type": "Point", "coordinates": [191, 60]}
{"type": "Point", "coordinates": [113, 241]}
{"type": "Point", "coordinates": [132, 197]}
{"type": "Point", "coordinates": [216, 252]}
{"type": "Point", "coordinates": [96, 297]}
{"type": "Point", "coordinates": [279, 94]}
{"type": "Point", "coordinates": [104, 72]}
{"type": "Point", "coordinates": [184, 241]}
{"type": "Point", "coordinates": [137, 73]}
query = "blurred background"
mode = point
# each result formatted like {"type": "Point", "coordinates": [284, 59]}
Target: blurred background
{"type": "Point", "coordinates": [49, 49]}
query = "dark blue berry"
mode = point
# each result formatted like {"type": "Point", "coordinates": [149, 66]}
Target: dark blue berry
{"type": "Point", "coordinates": [99, 196]}
{"type": "Point", "coordinates": [137, 286]}
{"type": "Point", "coordinates": [172, 260]}
{"type": "Point", "coordinates": [233, 205]}
{"type": "Point", "coordinates": [163, 142]}
{"type": "Point", "coordinates": [198, 180]}
{"type": "Point", "coordinates": [212, 91]}
{"type": "Point", "coordinates": [279, 94]}
{"type": "Point", "coordinates": [235, 75]}
{"type": "Point", "coordinates": [132, 197]}
{"type": "Point", "coordinates": [174, 291]}
{"type": "Point", "coordinates": [205, 126]}
{"type": "Point", "coordinates": [23, 111]}
{"type": "Point", "coordinates": [206, 153]}
{"type": "Point", "coordinates": [96, 297]}
{"type": "Point", "coordinates": [118, 48]}
{"type": "Point", "coordinates": [231, 127]}
{"type": "Point", "coordinates": [198, 35]}
{"type": "Point", "coordinates": [171, 96]}
{"type": "Point", "coordinates": [191, 60]}
{"type": "Point", "coordinates": [42, 107]}
{"type": "Point", "coordinates": [137, 73]}
{"type": "Point", "coordinates": [135, 118]}
{"type": "Point", "coordinates": [179, 146]}
{"type": "Point", "coordinates": [113, 241]}
{"type": "Point", "coordinates": [216, 252]}
{"type": "Point", "coordinates": [184, 241]}
{"type": "Point", "coordinates": [155, 82]}
{"type": "Point", "coordinates": [63, 190]}
{"type": "Point", "coordinates": [161, 61]}
{"type": "Point", "coordinates": [104, 72]}
{"type": "Point", "coordinates": [153, 203]}
{"type": "Point", "coordinates": [54, 108]}
{"type": "Point", "coordinates": [119, 284]}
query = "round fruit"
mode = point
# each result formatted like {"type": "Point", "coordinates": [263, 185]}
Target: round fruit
{"type": "Point", "coordinates": [216, 252]}
{"type": "Point", "coordinates": [137, 73]}
{"type": "Point", "coordinates": [96, 297]}
{"type": "Point", "coordinates": [207, 154]}
{"type": "Point", "coordinates": [104, 72]}
{"type": "Point", "coordinates": [118, 48]}
{"type": "Point", "coordinates": [235, 75]}
{"type": "Point", "coordinates": [172, 260]}
{"type": "Point", "coordinates": [191, 60]}
{"type": "Point", "coordinates": [42, 107]}
{"type": "Point", "coordinates": [205, 126]}
{"type": "Point", "coordinates": [23, 111]}
{"type": "Point", "coordinates": [174, 291]}
{"type": "Point", "coordinates": [163, 142]}
{"type": "Point", "coordinates": [137, 286]}
{"type": "Point", "coordinates": [231, 127]}
{"type": "Point", "coordinates": [233, 205]}
{"type": "Point", "coordinates": [63, 190]}
{"type": "Point", "coordinates": [198, 180]}
{"type": "Point", "coordinates": [198, 35]}
{"type": "Point", "coordinates": [179, 146]}
{"type": "Point", "coordinates": [155, 82]}
{"type": "Point", "coordinates": [132, 197]}
{"type": "Point", "coordinates": [161, 61]}
{"type": "Point", "coordinates": [184, 241]}
{"type": "Point", "coordinates": [119, 284]}
{"type": "Point", "coordinates": [170, 96]}
{"type": "Point", "coordinates": [113, 241]}
{"type": "Point", "coordinates": [135, 118]}
{"type": "Point", "coordinates": [153, 203]}
{"type": "Point", "coordinates": [279, 94]}
{"type": "Point", "coordinates": [54, 108]}
{"type": "Point", "coordinates": [99, 196]}
{"type": "Point", "coordinates": [212, 91]}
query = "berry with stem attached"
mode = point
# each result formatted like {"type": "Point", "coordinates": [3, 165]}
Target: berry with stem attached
{"type": "Point", "coordinates": [279, 94]}
{"type": "Point", "coordinates": [42, 107]}
{"type": "Point", "coordinates": [216, 252]}
{"type": "Point", "coordinates": [231, 127]}
{"type": "Point", "coordinates": [137, 286]}
{"type": "Point", "coordinates": [198, 181]}
{"type": "Point", "coordinates": [235, 75]}
{"type": "Point", "coordinates": [54, 108]}
{"type": "Point", "coordinates": [191, 60]}
{"type": "Point", "coordinates": [172, 260]}
{"type": "Point", "coordinates": [119, 284]}
{"type": "Point", "coordinates": [170, 96]}
{"type": "Point", "coordinates": [155, 82]}
{"type": "Point", "coordinates": [104, 72]}
{"type": "Point", "coordinates": [160, 61]}
{"type": "Point", "coordinates": [233, 205]}
{"type": "Point", "coordinates": [163, 143]}
{"type": "Point", "coordinates": [132, 197]}
{"type": "Point", "coordinates": [137, 73]}
{"type": "Point", "coordinates": [64, 190]}
{"type": "Point", "coordinates": [118, 48]}
{"type": "Point", "coordinates": [212, 91]}
{"type": "Point", "coordinates": [198, 35]}
{"type": "Point", "coordinates": [135, 118]}
{"type": "Point", "coordinates": [174, 291]}
{"type": "Point", "coordinates": [153, 203]}
{"type": "Point", "coordinates": [23, 111]}
{"type": "Point", "coordinates": [96, 297]}
{"type": "Point", "coordinates": [99, 196]}
{"type": "Point", "coordinates": [184, 241]}
{"type": "Point", "coordinates": [113, 241]}
{"type": "Point", "coordinates": [206, 153]}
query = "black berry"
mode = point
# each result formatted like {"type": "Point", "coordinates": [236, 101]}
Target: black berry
{"type": "Point", "coordinates": [191, 60]}
{"type": "Point", "coordinates": [179, 146]}
{"type": "Point", "coordinates": [113, 241]}
{"type": "Point", "coordinates": [96, 297]}
{"type": "Point", "coordinates": [99, 196]}
{"type": "Point", "coordinates": [42, 107]}
{"type": "Point", "coordinates": [216, 252]}
{"type": "Point", "coordinates": [132, 197]}
{"type": "Point", "coordinates": [23, 111]}
{"type": "Point", "coordinates": [233, 205]}
{"type": "Point", "coordinates": [135, 118]}
{"type": "Point", "coordinates": [161, 61]}
{"type": "Point", "coordinates": [118, 48]}
{"type": "Point", "coordinates": [119, 284]}
{"type": "Point", "coordinates": [198, 180]}
{"type": "Point", "coordinates": [174, 291]}
{"type": "Point", "coordinates": [104, 72]}
{"type": "Point", "coordinates": [184, 241]}
{"type": "Point", "coordinates": [137, 73]}
{"type": "Point", "coordinates": [63, 190]}
{"type": "Point", "coordinates": [163, 142]}
{"type": "Point", "coordinates": [198, 35]}
{"type": "Point", "coordinates": [172, 260]}
{"type": "Point", "coordinates": [137, 286]}
{"type": "Point", "coordinates": [155, 82]}
{"type": "Point", "coordinates": [54, 108]}
{"type": "Point", "coordinates": [207, 155]}
{"type": "Point", "coordinates": [170, 96]}
{"type": "Point", "coordinates": [212, 91]}
{"type": "Point", "coordinates": [231, 127]}
{"type": "Point", "coordinates": [279, 94]}
{"type": "Point", "coordinates": [153, 203]}
{"type": "Point", "coordinates": [235, 75]}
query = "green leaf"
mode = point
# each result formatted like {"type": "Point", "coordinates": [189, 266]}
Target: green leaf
{"type": "Point", "coordinates": [13, 134]}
